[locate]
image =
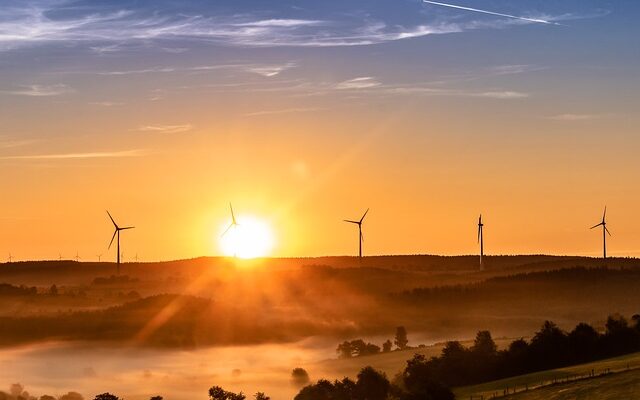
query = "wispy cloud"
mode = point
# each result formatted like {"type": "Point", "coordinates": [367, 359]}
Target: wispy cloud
{"type": "Point", "coordinates": [106, 103]}
{"type": "Point", "coordinates": [10, 144]}
{"type": "Point", "coordinates": [106, 31]}
{"type": "Point", "coordinates": [364, 82]}
{"type": "Point", "coordinates": [40, 90]}
{"type": "Point", "coordinates": [504, 94]}
{"type": "Point", "coordinates": [270, 70]}
{"type": "Point", "coordinates": [72, 156]}
{"type": "Point", "coordinates": [166, 128]}
{"type": "Point", "coordinates": [576, 117]}
{"type": "Point", "coordinates": [283, 111]}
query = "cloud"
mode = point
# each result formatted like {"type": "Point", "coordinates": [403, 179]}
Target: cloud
{"type": "Point", "coordinates": [502, 95]}
{"type": "Point", "coordinates": [576, 117]}
{"type": "Point", "coordinates": [41, 90]}
{"type": "Point", "coordinates": [364, 82]}
{"type": "Point", "coordinates": [71, 156]}
{"type": "Point", "coordinates": [106, 103]}
{"type": "Point", "coordinates": [286, 23]}
{"type": "Point", "coordinates": [166, 128]}
{"type": "Point", "coordinates": [283, 111]}
{"type": "Point", "coordinates": [270, 70]}
{"type": "Point", "coordinates": [106, 31]}
{"type": "Point", "coordinates": [9, 144]}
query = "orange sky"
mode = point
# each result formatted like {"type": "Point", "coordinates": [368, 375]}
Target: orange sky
{"type": "Point", "coordinates": [536, 129]}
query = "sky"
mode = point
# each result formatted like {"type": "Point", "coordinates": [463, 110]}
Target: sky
{"type": "Point", "coordinates": [305, 113]}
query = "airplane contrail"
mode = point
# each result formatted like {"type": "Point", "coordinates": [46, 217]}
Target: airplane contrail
{"type": "Point", "coordinates": [540, 21]}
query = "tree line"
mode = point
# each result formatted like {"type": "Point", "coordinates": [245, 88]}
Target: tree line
{"type": "Point", "coordinates": [359, 348]}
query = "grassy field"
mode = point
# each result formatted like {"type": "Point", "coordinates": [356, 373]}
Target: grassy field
{"type": "Point", "coordinates": [535, 379]}
{"type": "Point", "coordinates": [623, 385]}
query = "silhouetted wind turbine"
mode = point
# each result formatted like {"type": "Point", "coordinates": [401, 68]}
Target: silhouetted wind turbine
{"type": "Point", "coordinates": [59, 256]}
{"type": "Point", "coordinates": [481, 241]}
{"type": "Point", "coordinates": [10, 258]}
{"type": "Point", "coordinates": [360, 236]}
{"type": "Point", "coordinates": [233, 223]}
{"type": "Point", "coordinates": [77, 257]}
{"type": "Point", "coordinates": [99, 257]}
{"type": "Point", "coordinates": [117, 233]}
{"type": "Point", "coordinates": [605, 231]}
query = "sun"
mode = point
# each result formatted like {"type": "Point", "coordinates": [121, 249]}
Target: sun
{"type": "Point", "coordinates": [252, 237]}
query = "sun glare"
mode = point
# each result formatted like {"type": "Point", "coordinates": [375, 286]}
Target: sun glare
{"type": "Point", "coordinates": [252, 237]}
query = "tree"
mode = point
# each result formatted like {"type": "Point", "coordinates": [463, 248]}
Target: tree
{"type": "Point", "coordinates": [299, 377]}
{"type": "Point", "coordinates": [401, 340]}
{"type": "Point", "coordinates": [53, 290]}
{"type": "Point", "coordinates": [218, 393]}
{"type": "Point", "coordinates": [583, 342]}
{"type": "Point", "coordinates": [345, 350]}
{"type": "Point", "coordinates": [386, 346]}
{"type": "Point", "coordinates": [261, 396]}
{"type": "Point", "coordinates": [484, 344]}
{"type": "Point", "coordinates": [371, 385]}
{"type": "Point", "coordinates": [156, 398]}
{"type": "Point", "coordinates": [106, 396]}
{"type": "Point", "coordinates": [420, 384]}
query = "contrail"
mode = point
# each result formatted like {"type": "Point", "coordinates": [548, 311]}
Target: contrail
{"type": "Point", "coordinates": [540, 21]}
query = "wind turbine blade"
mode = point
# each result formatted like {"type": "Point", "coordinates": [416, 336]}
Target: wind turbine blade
{"type": "Point", "coordinates": [112, 237]}
{"type": "Point", "coordinates": [127, 227]}
{"type": "Point", "coordinates": [479, 233]}
{"type": "Point", "coordinates": [607, 229]}
{"type": "Point", "coordinates": [365, 214]}
{"type": "Point", "coordinates": [350, 221]}
{"type": "Point", "coordinates": [226, 230]}
{"type": "Point", "coordinates": [233, 216]}
{"type": "Point", "coordinates": [595, 226]}
{"type": "Point", "coordinates": [110, 217]}
{"type": "Point", "coordinates": [604, 215]}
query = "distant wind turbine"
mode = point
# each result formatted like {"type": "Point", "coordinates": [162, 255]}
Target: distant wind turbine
{"type": "Point", "coordinates": [77, 257]}
{"type": "Point", "coordinates": [99, 257]}
{"type": "Point", "coordinates": [59, 256]}
{"type": "Point", "coordinates": [605, 231]}
{"type": "Point", "coordinates": [481, 241]}
{"type": "Point", "coordinates": [117, 233]}
{"type": "Point", "coordinates": [10, 258]}
{"type": "Point", "coordinates": [233, 223]}
{"type": "Point", "coordinates": [360, 236]}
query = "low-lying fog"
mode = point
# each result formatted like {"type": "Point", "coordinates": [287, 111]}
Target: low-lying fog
{"type": "Point", "coordinates": [57, 368]}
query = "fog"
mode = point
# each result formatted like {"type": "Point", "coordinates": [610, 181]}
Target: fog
{"type": "Point", "coordinates": [133, 373]}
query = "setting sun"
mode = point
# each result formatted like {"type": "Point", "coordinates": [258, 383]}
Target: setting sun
{"type": "Point", "coordinates": [251, 237]}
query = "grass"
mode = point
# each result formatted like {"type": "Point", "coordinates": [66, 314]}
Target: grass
{"type": "Point", "coordinates": [534, 379]}
{"type": "Point", "coordinates": [623, 385]}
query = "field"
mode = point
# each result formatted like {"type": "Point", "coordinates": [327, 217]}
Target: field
{"type": "Point", "coordinates": [623, 385]}
{"type": "Point", "coordinates": [583, 387]}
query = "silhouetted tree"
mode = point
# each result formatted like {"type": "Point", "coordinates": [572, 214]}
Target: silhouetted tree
{"type": "Point", "coordinates": [484, 344]}
{"type": "Point", "coordinates": [386, 346]}
{"type": "Point", "coordinates": [53, 290]}
{"type": "Point", "coordinates": [299, 377]}
{"type": "Point", "coordinates": [345, 350]}
{"type": "Point", "coordinates": [261, 396]}
{"type": "Point", "coordinates": [371, 385]}
{"type": "Point", "coordinates": [106, 396]}
{"type": "Point", "coordinates": [218, 393]}
{"type": "Point", "coordinates": [157, 398]}
{"type": "Point", "coordinates": [401, 340]}
{"type": "Point", "coordinates": [420, 384]}
{"type": "Point", "coordinates": [583, 342]}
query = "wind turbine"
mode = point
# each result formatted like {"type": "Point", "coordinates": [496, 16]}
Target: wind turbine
{"type": "Point", "coordinates": [117, 233]}
{"type": "Point", "coordinates": [77, 257]}
{"type": "Point", "coordinates": [360, 236]}
{"type": "Point", "coordinates": [605, 231]}
{"type": "Point", "coordinates": [481, 241]}
{"type": "Point", "coordinates": [10, 258]}
{"type": "Point", "coordinates": [233, 223]}
{"type": "Point", "coordinates": [99, 257]}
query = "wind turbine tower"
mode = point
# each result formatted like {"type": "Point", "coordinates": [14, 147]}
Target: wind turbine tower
{"type": "Point", "coordinates": [481, 242]}
{"type": "Point", "coordinates": [605, 232]}
{"type": "Point", "coordinates": [360, 236]}
{"type": "Point", "coordinates": [117, 233]}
